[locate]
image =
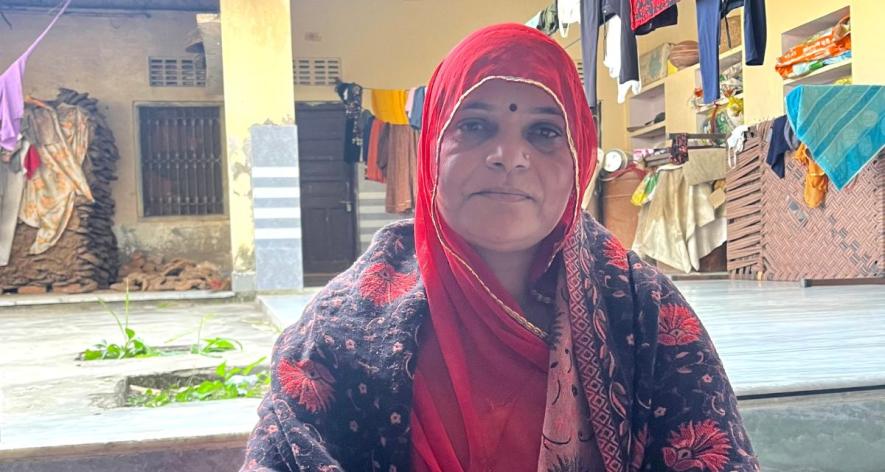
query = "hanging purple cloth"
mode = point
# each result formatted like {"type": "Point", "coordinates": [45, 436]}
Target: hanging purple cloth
{"type": "Point", "coordinates": [12, 101]}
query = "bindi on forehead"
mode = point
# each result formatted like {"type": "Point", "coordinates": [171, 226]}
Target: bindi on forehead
{"type": "Point", "coordinates": [513, 107]}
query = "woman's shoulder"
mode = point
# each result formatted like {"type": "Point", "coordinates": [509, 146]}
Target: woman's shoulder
{"type": "Point", "coordinates": [382, 288]}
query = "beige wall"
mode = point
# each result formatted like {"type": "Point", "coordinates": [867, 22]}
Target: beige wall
{"type": "Point", "coordinates": [107, 57]}
{"type": "Point", "coordinates": [392, 44]}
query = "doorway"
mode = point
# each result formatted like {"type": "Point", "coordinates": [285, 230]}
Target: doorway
{"type": "Point", "coordinates": [328, 201]}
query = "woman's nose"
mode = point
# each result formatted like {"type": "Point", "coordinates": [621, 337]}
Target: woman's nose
{"type": "Point", "coordinates": [509, 156]}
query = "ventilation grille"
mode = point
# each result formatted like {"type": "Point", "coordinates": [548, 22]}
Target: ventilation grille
{"type": "Point", "coordinates": [580, 66]}
{"type": "Point", "coordinates": [317, 70]}
{"type": "Point", "coordinates": [177, 72]}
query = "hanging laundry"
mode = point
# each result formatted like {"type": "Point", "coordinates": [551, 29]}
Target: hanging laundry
{"type": "Point", "coordinates": [705, 165]}
{"type": "Point", "coordinates": [777, 146]}
{"type": "Point", "coordinates": [62, 137]}
{"type": "Point", "coordinates": [389, 106]}
{"type": "Point", "coordinates": [416, 114]}
{"type": "Point", "coordinates": [709, 13]}
{"type": "Point", "coordinates": [373, 170]}
{"type": "Point", "coordinates": [679, 225]}
{"type": "Point", "coordinates": [569, 11]}
{"type": "Point", "coordinates": [644, 11]}
{"type": "Point", "coordinates": [842, 125]}
{"type": "Point", "coordinates": [595, 13]}
{"type": "Point", "coordinates": [612, 54]}
{"type": "Point", "coordinates": [816, 181]}
{"type": "Point", "coordinates": [12, 105]}
{"type": "Point", "coordinates": [31, 162]}
{"type": "Point", "coordinates": [549, 22]}
{"type": "Point", "coordinates": [12, 185]}
{"type": "Point", "coordinates": [668, 17]}
{"type": "Point", "coordinates": [366, 120]}
{"type": "Point", "coordinates": [410, 97]}
{"type": "Point", "coordinates": [352, 96]}
{"type": "Point", "coordinates": [398, 158]}
{"type": "Point", "coordinates": [735, 144]}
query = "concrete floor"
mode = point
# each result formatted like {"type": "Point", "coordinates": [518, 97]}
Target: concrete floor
{"type": "Point", "coordinates": [47, 394]}
{"type": "Point", "coordinates": [774, 338]}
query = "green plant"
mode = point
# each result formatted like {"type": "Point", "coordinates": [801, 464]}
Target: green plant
{"type": "Point", "coordinates": [132, 345]}
{"type": "Point", "coordinates": [208, 346]}
{"type": "Point", "coordinates": [231, 382]}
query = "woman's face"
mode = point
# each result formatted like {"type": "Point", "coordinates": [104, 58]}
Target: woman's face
{"type": "Point", "coordinates": [505, 168]}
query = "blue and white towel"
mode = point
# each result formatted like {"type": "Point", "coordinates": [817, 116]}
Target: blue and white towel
{"type": "Point", "coordinates": [842, 125]}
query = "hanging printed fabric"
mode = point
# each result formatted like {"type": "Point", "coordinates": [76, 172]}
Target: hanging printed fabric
{"type": "Point", "coordinates": [643, 11]}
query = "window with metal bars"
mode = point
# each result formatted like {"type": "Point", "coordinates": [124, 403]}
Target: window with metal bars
{"type": "Point", "coordinates": [177, 72]}
{"type": "Point", "coordinates": [181, 162]}
{"type": "Point", "coordinates": [316, 70]}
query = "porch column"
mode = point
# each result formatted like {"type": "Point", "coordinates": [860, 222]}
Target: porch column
{"type": "Point", "coordinates": [262, 156]}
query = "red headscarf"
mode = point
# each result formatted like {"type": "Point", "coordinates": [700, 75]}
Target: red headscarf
{"type": "Point", "coordinates": [482, 368]}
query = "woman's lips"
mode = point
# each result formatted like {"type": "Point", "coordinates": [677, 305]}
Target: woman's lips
{"type": "Point", "coordinates": [505, 195]}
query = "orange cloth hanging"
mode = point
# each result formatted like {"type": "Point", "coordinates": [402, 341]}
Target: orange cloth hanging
{"type": "Point", "coordinates": [373, 170]}
{"type": "Point", "coordinates": [816, 181]}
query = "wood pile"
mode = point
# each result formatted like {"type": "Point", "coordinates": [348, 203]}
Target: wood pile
{"type": "Point", "coordinates": [151, 273]}
{"type": "Point", "coordinates": [86, 257]}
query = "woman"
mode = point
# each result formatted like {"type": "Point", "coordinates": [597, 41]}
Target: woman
{"type": "Point", "coordinates": [504, 329]}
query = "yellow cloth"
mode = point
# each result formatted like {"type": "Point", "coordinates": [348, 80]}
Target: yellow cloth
{"type": "Point", "coordinates": [390, 106]}
{"type": "Point", "coordinates": [48, 202]}
{"type": "Point", "coordinates": [816, 181]}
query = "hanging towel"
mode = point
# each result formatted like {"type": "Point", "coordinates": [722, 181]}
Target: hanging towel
{"type": "Point", "coordinates": [842, 125]}
{"type": "Point", "coordinates": [12, 101]}
{"type": "Point", "coordinates": [390, 106]}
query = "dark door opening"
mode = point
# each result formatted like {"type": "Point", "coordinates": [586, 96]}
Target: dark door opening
{"type": "Point", "coordinates": [328, 208]}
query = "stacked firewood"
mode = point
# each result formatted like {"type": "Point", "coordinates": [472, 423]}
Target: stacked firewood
{"type": "Point", "coordinates": [85, 258]}
{"type": "Point", "coordinates": [151, 273]}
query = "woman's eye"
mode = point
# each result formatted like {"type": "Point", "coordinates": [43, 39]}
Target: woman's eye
{"type": "Point", "coordinates": [473, 126]}
{"type": "Point", "coordinates": [546, 132]}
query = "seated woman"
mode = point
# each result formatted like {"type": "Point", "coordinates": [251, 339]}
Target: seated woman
{"type": "Point", "coordinates": [503, 329]}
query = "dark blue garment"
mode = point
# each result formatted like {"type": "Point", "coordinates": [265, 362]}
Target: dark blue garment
{"type": "Point", "coordinates": [366, 119]}
{"type": "Point", "coordinates": [777, 146]}
{"type": "Point", "coordinates": [709, 12]}
{"type": "Point", "coordinates": [594, 13]}
{"type": "Point", "coordinates": [417, 111]}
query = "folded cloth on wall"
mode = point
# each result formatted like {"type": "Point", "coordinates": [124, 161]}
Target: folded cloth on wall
{"type": "Point", "coordinates": [777, 146]}
{"type": "Point", "coordinates": [705, 165]}
{"type": "Point", "coordinates": [679, 225]}
{"type": "Point", "coordinates": [390, 106]}
{"type": "Point", "coordinates": [62, 138]}
{"type": "Point", "coordinates": [842, 125]}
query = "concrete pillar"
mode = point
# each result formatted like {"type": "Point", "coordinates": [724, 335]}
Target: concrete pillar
{"type": "Point", "coordinates": [256, 42]}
